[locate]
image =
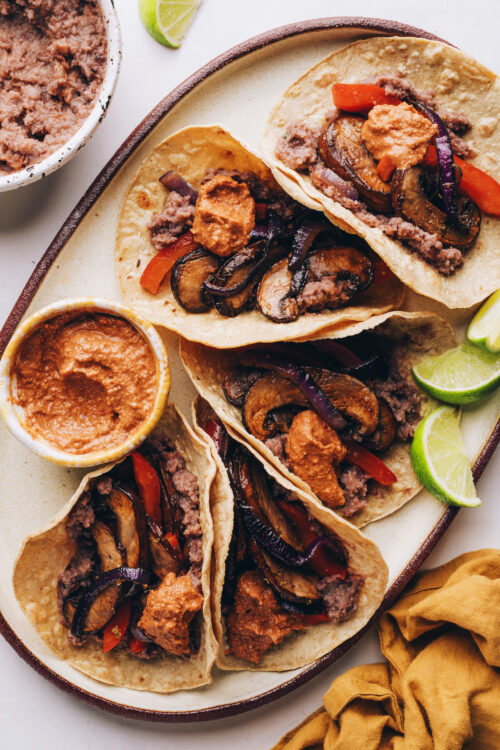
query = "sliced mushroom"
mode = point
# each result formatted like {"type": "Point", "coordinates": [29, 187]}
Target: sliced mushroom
{"type": "Point", "coordinates": [110, 554]}
{"type": "Point", "coordinates": [163, 560]}
{"type": "Point", "coordinates": [269, 392]}
{"type": "Point", "coordinates": [131, 525]}
{"type": "Point", "coordinates": [241, 272]}
{"type": "Point", "coordinates": [411, 203]}
{"type": "Point", "coordinates": [314, 450]}
{"type": "Point", "coordinates": [237, 383]}
{"type": "Point", "coordinates": [343, 151]}
{"type": "Point", "coordinates": [187, 278]}
{"type": "Point", "coordinates": [257, 494]}
{"type": "Point", "coordinates": [278, 289]}
{"type": "Point", "coordinates": [290, 585]}
{"type": "Point", "coordinates": [386, 431]}
{"type": "Point", "coordinates": [335, 275]}
{"type": "Point", "coordinates": [350, 396]}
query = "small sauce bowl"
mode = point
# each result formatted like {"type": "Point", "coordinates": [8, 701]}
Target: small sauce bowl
{"type": "Point", "coordinates": [13, 413]}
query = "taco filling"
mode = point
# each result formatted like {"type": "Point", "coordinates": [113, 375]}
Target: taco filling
{"type": "Point", "coordinates": [385, 153]}
{"type": "Point", "coordinates": [284, 570]}
{"type": "Point", "coordinates": [235, 244]}
{"type": "Point", "coordinates": [329, 411]}
{"type": "Point", "coordinates": [134, 581]}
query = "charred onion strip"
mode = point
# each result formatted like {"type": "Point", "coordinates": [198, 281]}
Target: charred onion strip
{"type": "Point", "coordinates": [173, 181]}
{"type": "Point", "coordinates": [303, 240]}
{"type": "Point", "coordinates": [445, 162]}
{"type": "Point", "coordinates": [318, 400]}
{"type": "Point", "coordinates": [133, 575]}
{"type": "Point", "coordinates": [318, 556]}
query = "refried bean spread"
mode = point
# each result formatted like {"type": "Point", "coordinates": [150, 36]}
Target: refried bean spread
{"type": "Point", "coordinates": [52, 64]}
{"type": "Point", "coordinates": [86, 381]}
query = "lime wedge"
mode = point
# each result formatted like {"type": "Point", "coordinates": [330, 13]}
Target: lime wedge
{"type": "Point", "coordinates": [168, 20]}
{"type": "Point", "coordinates": [484, 328]}
{"type": "Point", "coordinates": [439, 459]}
{"type": "Point", "coordinates": [459, 376]}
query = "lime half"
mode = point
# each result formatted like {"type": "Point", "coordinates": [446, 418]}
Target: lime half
{"type": "Point", "coordinates": [168, 20]}
{"type": "Point", "coordinates": [459, 376]}
{"type": "Point", "coordinates": [439, 459]}
{"type": "Point", "coordinates": [484, 328]}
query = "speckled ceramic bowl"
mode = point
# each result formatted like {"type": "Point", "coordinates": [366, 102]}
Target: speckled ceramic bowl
{"type": "Point", "coordinates": [13, 414]}
{"type": "Point", "coordinates": [79, 139]}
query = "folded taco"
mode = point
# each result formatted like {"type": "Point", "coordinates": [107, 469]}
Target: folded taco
{"type": "Point", "coordinates": [397, 139]}
{"type": "Point", "coordinates": [291, 580]}
{"type": "Point", "coordinates": [334, 416]}
{"type": "Point", "coordinates": [118, 585]}
{"type": "Point", "coordinates": [209, 245]}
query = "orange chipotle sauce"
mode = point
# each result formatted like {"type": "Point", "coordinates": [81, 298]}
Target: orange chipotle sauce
{"type": "Point", "coordinates": [85, 380]}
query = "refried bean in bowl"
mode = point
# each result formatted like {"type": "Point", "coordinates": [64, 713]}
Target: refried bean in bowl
{"type": "Point", "coordinates": [83, 382]}
{"type": "Point", "coordinates": [59, 62]}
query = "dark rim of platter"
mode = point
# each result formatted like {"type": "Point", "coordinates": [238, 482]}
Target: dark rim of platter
{"type": "Point", "coordinates": [95, 190]}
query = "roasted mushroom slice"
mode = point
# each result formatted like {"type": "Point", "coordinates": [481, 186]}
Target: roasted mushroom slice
{"type": "Point", "coordinates": [163, 557]}
{"type": "Point", "coordinates": [110, 557]}
{"type": "Point", "coordinates": [257, 494]}
{"type": "Point", "coordinates": [352, 398]}
{"type": "Point", "coordinates": [269, 392]}
{"type": "Point", "coordinates": [290, 585]}
{"type": "Point", "coordinates": [334, 276]}
{"type": "Point", "coordinates": [238, 382]}
{"type": "Point", "coordinates": [131, 526]}
{"type": "Point", "coordinates": [110, 554]}
{"type": "Point", "coordinates": [278, 289]}
{"type": "Point", "coordinates": [411, 203]}
{"type": "Point", "coordinates": [188, 276]}
{"type": "Point", "coordinates": [386, 431]}
{"type": "Point", "coordinates": [343, 151]}
{"type": "Point", "coordinates": [240, 272]}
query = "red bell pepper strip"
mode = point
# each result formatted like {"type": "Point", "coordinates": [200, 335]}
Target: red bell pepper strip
{"type": "Point", "coordinates": [481, 187]}
{"type": "Point", "coordinates": [385, 168]}
{"type": "Point", "coordinates": [173, 540]}
{"type": "Point", "coordinates": [217, 432]}
{"type": "Point", "coordinates": [260, 211]}
{"type": "Point", "coordinates": [315, 619]}
{"type": "Point", "coordinates": [161, 264]}
{"type": "Point", "coordinates": [373, 466]}
{"type": "Point", "coordinates": [116, 628]}
{"type": "Point", "coordinates": [321, 561]}
{"type": "Point", "coordinates": [298, 515]}
{"type": "Point", "coordinates": [381, 272]}
{"type": "Point", "coordinates": [148, 485]}
{"type": "Point", "coordinates": [136, 646]}
{"type": "Point", "coordinates": [360, 97]}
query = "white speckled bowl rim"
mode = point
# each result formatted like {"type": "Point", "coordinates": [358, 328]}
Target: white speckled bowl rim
{"type": "Point", "coordinates": [84, 133]}
{"type": "Point", "coordinates": [13, 414]}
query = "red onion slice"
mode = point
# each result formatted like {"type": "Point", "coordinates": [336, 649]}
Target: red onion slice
{"type": "Point", "coordinates": [305, 235]}
{"type": "Point", "coordinates": [345, 187]}
{"type": "Point", "coordinates": [173, 181]}
{"type": "Point", "coordinates": [318, 400]}
{"type": "Point", "coordinates": [134, 575]}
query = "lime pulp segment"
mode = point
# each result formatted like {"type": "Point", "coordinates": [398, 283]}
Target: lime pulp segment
{"type": "Point", "coordinates": [440, 461]}
{"type": "Point", "coordinates": [174, 18]}
{"type": "Point", "coordinates": [461, 375]}
{"type": "Point", "coordinates": [484, 328]}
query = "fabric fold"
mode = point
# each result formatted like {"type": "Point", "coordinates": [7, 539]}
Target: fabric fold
{"type": "Point", "coordinates": [440, 687]}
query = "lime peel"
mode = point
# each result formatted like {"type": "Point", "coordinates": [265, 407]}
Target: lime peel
{"type": "Point", "coordinates": [484, 328]}
{"type": "Point", "coordinates": [440, 461]}
{"type": "Point", "coordinates": [168, 20]}
{"type": "Point", "coordinates": [459, 376]}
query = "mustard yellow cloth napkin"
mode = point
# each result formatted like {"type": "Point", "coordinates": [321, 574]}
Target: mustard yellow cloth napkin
{"type": "Point", "coordinates": [440, 689]}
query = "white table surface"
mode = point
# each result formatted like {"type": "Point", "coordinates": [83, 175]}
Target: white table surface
{"type": "Point", "coordinates": [34, 713]}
